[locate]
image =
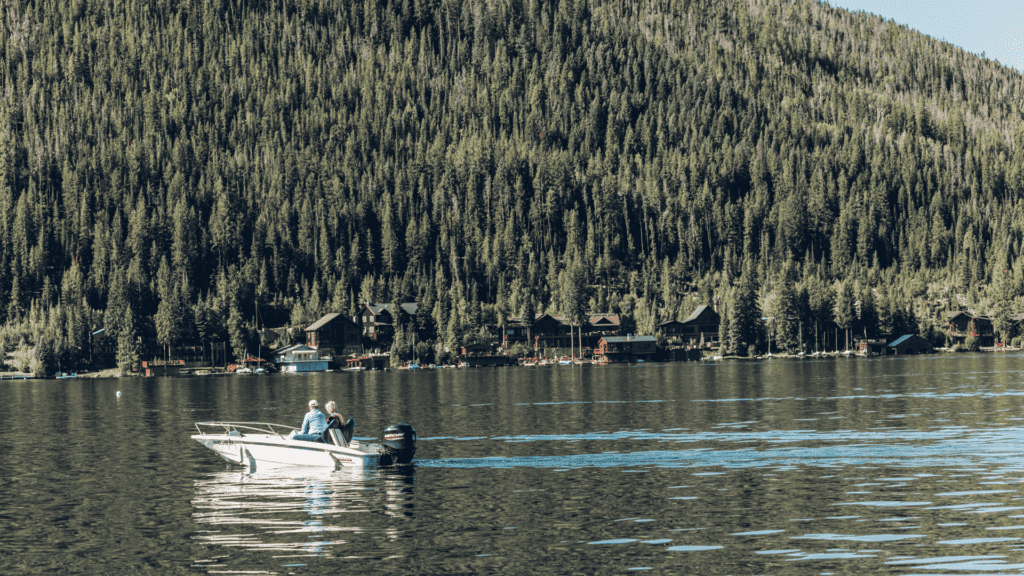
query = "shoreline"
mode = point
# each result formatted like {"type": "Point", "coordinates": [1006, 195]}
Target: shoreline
{"type": "Point", "coordinates": [116, 373]}
{"type": "Point", "coordinates": [108, 373]}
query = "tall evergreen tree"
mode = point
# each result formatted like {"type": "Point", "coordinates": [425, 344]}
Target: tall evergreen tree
{"type": "Point", "coordinates": [744, 313]}
{"type": "Point", "coordinates": [128, 353]}
{"type": "Point", "coordinates": [845, 311]}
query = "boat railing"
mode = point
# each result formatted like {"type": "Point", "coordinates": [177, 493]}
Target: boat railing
{"type": "Point", "coordinates": [241, 428]}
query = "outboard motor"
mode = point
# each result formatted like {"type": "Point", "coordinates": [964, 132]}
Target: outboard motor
{"type": "Point", "coordinates": [398, 444]}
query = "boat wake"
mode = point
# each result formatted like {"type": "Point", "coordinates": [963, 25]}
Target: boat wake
{"type": "Point", "coordinates": [948, 447]}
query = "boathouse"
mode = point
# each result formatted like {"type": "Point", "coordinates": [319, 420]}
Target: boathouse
{"type": "Point", "coordinates": [478, 349]}
{"type": "Point", "coordinates": [153, 368]}
{"type": "Point", "coordinates": [872, 347]}
{"type": "Point", "coordinates": [911, 344]}
{"type": "Point", "coordinates": [300, 358]}
{"type": "Point", "coordinates": [372, 362]}
{"type": "Point", "coordinates": [619, 349]}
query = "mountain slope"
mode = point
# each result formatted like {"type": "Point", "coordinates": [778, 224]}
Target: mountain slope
{"type": "Point", "coordinates": [316, 153]}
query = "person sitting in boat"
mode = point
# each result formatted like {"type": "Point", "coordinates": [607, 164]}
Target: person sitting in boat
{"type": "Point", "coordinates": [313, 425]}
{"type": "Point", "coordinates": [337, 421]}
{"type": "Point", "coordinates": [333, 415]}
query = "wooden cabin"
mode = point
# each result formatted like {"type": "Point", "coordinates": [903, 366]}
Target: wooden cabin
{"type": "Point", "coordinates": [377, 321]}
{"type": "Point", "coordinates": [701, 324]}
{"type": "Point", "coordinates": [553, 331]}
{"type": "Point", "coordinates": [334, 335]}
{"type": "Point", "coordinates": [964, 324]}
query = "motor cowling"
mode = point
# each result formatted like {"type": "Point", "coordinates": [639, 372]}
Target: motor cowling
{"type": "Point", "coordinates": [398, 444]}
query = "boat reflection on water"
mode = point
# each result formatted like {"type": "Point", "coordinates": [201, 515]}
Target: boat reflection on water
{"type": "Point", "coordinates": [302, 512]}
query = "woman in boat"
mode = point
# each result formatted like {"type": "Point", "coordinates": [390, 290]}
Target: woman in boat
{"type": "Point", "coordinates": [313, 425]}
{"type": "Point", "coordinates": [331, 414]}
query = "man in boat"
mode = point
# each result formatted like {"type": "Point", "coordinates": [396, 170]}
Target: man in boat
{"type": "Point", "coordinates": [313, 425]}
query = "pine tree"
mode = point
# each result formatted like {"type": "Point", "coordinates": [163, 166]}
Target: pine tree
{"type": "Point", "coordinates": [845, 312]}
{"type": "Point", "coordinates": [237, 333]}
{"type": "Point", "coordinates": [869, 318]}
{"type": "Point", "coordinates": [529, 315]}
{"type": "Point", "coordinates": [44, 364]}
{"type": "Point", "coordinates": [15, 307]}
{"type": "Point", "coordinates": [725, 344]}
{"type": "Point", "coordinates": [128, 353]}
{"type": "Point", "coordinates": [744, 313]}
{"type": "Point", "coordinates": [573, 295]}
{"type": "Point", "coordinates": [787, 311]}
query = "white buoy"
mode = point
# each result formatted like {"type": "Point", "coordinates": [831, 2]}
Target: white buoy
{"type": "Point", "coordinates": [118, 393]}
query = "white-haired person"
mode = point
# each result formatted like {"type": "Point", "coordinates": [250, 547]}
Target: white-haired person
{"type": "Point", "coordinates": [313, 425]}
{"type": "Point", "coordinates": [331, 413]}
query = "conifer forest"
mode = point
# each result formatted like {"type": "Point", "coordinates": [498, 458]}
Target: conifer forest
{"type": "Point", "coordinates": [169, 167]}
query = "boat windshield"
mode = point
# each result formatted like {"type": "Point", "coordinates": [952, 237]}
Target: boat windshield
{"type": "Point", "coordinates": [241, 428]}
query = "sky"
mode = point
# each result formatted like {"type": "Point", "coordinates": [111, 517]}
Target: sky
{"type": "Point", "coordinates": [995, 27]}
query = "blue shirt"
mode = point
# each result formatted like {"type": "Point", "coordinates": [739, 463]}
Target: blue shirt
{"type": "Point", "coordinates": [314, 423]}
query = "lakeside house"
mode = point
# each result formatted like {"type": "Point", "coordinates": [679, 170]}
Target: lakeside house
{"type": "Point", "coordinates": [102, 347]}
{"type": "Point", "coordinates": [552, 334]}
{"type": "Point", "coordinates": [964, 323]}
{"type": "Point", "coordinates": [377, 321]}
{"type": "Point", "coordinates": [334, 336]}
{"type": "Point", "coordinates": [599, 326]}
{"type": "Point", "coordinates": [701, 325]}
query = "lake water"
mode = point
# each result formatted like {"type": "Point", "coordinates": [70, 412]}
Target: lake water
{"type": "Point", "coordinates": [908, 465]}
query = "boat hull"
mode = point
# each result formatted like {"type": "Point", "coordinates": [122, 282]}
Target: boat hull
{"type": "Point", "coordinates": [266, 450]}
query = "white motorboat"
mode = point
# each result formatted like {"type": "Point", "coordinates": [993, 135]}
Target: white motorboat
{"type": "Point", "coordinates": [265, 444]}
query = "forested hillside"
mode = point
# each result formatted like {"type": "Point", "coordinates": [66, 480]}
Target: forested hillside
{"type": "Point", "coordinates": [167, 165]}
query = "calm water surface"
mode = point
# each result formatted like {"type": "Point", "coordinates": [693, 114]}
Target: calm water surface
{"type": "Point", "coordinates": [881, 466]}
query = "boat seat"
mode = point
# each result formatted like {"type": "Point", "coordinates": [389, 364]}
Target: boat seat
{"type": "Point", "coordinates": [338, 434]}
{"type": "Point", "coordinates": [335, 432]}
{"type": "Point", "coordinates": [333, 436]}
{"type": "Point", "coordinates": [347, 430]}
